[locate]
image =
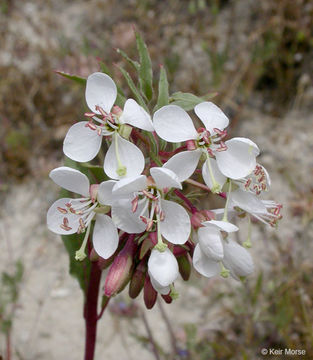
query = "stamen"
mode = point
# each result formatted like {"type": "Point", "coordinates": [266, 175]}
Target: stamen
{"type": "Point", "coordinates": [63, 211]}
{"type": "Point", "coordinates": [65, 226]}
{"type": "Point", "coordinates": [135, 204]}
{"type": "Point", "coordinates": [161, 246]}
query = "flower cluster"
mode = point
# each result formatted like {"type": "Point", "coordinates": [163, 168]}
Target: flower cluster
{"type": "Point", "coordinates": [141, 214]}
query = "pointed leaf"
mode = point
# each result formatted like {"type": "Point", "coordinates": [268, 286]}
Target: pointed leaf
{"type": "Point", "coordinates": [187, 100]}
{"type": "Point", "coordinates": [75, 78]}
{"type": "Point", "coordinates": [145, 70]}
{"type": "Point", "coordinates": [163, 97]}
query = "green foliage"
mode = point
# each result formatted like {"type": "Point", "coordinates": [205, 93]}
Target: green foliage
{"type": "Point", "coordinates": [79, 80]}
{"type": "Point", "coordinates": [188, 101]}
{"type": "Point", "coordinates": [9, 292]}
{"type": "Point", "coordinates": [163, 96]}
{"type": "Point", "coordinates": [145, 70]}
{"type": "Point", "coordinates": [133, 88]}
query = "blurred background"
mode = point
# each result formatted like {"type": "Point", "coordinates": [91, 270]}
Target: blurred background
{"type": "Point", "coordinates": [258, 56]}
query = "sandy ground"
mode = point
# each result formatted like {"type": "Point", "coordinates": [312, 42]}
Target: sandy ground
{"type": "Point", "coordinates": [48, 322]}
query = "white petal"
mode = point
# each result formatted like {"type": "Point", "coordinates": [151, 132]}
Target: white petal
{"type": "Point", "coordinates": [165, 178]}
{"type": "Point", "coordinates": [211, 116]}
{"type": "Point", "coordinates": [136, 115]}
{"type": "Point", "coordinates": [81, 143]}
{"type": "Point", "coordinates": [210, 241]}
{"type": "Point", "coordinates": [237, 259]}
{"type": "Point", "coordinates": [222, 225]}
{"type": "Point", "coordinates": [71, 180]}
{"type": "Point", "coordinates": [218, 176]}
{"type": "Point", "coordinates": [183, 164]}
{"type": "Point", "coordinates": [163, 267]}
{"type": "Point", "coordinates": [239, 159]}
{"type": "Point", "coordinates": [100, 90]}
{"type": "Point", "coordinates": [105, 236]}
{"type": "Point", "coordinates": [248, 202]}
{"type": "Point", "coordinates": [130, 185]}
{"type": "Point", "coordinates": [55, 218]}
{"type": "Point", "coordinates": [203, 265]}
{"type": "Point", "coordinates": [105, 195]}
{"type": "Point", "coordinates": [173, 124]}
{"type": "Point", "coordinates": [130, 155]}
{"type": "Point", "coordinates": [164, 290]}
{"type": "Point", "coordinates": [125, 219]}
{"type": "Point", "coordinates": [176, 225]}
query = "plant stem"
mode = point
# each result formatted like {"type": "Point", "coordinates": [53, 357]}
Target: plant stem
{"type": "Point", "coordinates": [90, 311]}
{"type": "Point", "coordinates": [150, 336]}
{"type": "Point", "coordinates": [203, 187]}
{"type": "Point", "coordinates": [192, 208]}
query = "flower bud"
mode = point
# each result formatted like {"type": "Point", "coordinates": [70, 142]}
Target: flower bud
{"type": "Point", "coordinates": [167, 298]}
{"type": "Point", "coordinates": [119, 273]}
{"type": "Point", "coordinates": [93, 256]}
{"type": "Point", "coordinates": [138, 279]}
{"type": "Point", "coordinates": [179, 250]}
{"type": "Point", "coordinates": [148, 244]}
{"type": "Point", "coordinates": [149, 294]}
{"type": "Point", "coordinates": [200, 216]}
{"type": "Point", "coordinates": [116, 110]}
{"type": "Point", "coordinates": [191, 145]}
{"type": "Point", "coordinates": [184, 266]}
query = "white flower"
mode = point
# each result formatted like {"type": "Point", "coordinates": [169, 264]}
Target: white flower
{"type": "Point", "coordinates": [68, 216]}
{"type": "Point", "coordinates": [163, 270]}
{"type": "Point", "coordinates": [83, 140]}
{"type": "Point", "coordinates": [235, 158]}
{"type": "Point", "coordinates": [267, 211]}
{"type": "Point", "coordinates": [141, 204]}
{"type": "Point", "coordinates": [213, 254]}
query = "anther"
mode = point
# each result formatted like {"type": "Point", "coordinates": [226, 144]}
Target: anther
{"type": "Point", "coordinates": [135, 204]}
{"type": "Point", "coordinates": [63, 211]}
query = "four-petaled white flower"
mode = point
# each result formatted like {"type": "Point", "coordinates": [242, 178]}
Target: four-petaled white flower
{"type": "Point", "coordinates": [213, 254]}
{"type": "Point", "coordinates": [83, 140]}
{"type": "Point", "coordinates": [163, 270]}
{"type": "Point", "coordinates": [235, 159]}
{"type": "Point", "coordinates": [69, 215]}
{"type": "Point", "coordinates": [138, 203]}
{"type": "Point", "coordinates": [266, 211]}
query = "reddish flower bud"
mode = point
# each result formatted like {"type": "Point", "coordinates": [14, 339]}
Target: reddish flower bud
{"type": "Point", "coordinates": [93, 256]}
{"type": "Point", "coordinates": [138, 279]}
{"type": "Point", "coordinates": [116, 110]}
{"type": "Point", "coordinates": [148, 244]}
{"type": "Point", "coordinates": [184, 266]}
{"type": "Point", "coordinates": [167, 298]}
{"type": "Point", "coordinates": [191, 145]}
{"type": "Point", "coordinates": [200, 216]}
{"type": "Point", "coordinates": [93, 191]}
{"type": "Point", "coordinates": [120, 271]}
{"type": "Point", "coordinates": [179, 250]}
{"type": "Point", "coordinates": [149, 294]}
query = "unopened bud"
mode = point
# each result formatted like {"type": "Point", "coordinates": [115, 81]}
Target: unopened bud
{"type": "Point", "coordinates": [93, 191]}
{"type": "Point", "coordinates": [149, 294]}
{"type": "Point", "coordinates": [184, 266]}
{"type": "Point", "coordinates": [167, 298]}
{"type": "Point", "coordinates": [138, 279]}
{"type": "Point", "coordinates": [148, 244]}
{"type": "Point", "coordinates": [191, 145]}
{"type": "Point", "coordinates": [179, 250]}
{"type": "Point", "coordinates": [93, 256]}
{"type": "Point", "coordinates": [121, 268]}
{"type": "Point", "coordinates": [116, 110]}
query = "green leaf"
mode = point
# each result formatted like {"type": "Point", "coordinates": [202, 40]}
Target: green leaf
{"type": "Point", "coordinates": [75, 78]}
{"type": "Point", "coordinates": [121, 98]}
{"type": "Point", "coordinates": [163, 97]}
{"type": "Point", "coordinates": [188, 101]}
{"type": "Point", "coordinates": [78, 269]}
{"type": "Point", "coordinates": [133, 63]}
{"type": "Point", "coordinates": [145, 70]}
{"type": "Point", "coordinates": [133, 88]}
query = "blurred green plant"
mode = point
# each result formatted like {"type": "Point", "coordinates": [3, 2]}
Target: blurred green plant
{"type": "Point", "coordinates": [9, 295]}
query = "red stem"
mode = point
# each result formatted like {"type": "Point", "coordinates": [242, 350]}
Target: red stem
{"type": "Point", "coordinates": [8, 345]}
{"type": "Point", "coordinates": [90, 311]}
{"type": "Point", "coordinates": [192, 208]}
